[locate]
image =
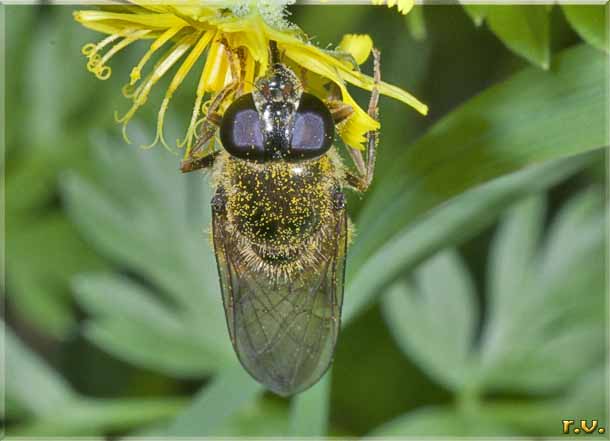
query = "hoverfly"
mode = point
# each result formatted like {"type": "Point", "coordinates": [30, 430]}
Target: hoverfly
{"type": "Point", "coordinates": [279, 221]}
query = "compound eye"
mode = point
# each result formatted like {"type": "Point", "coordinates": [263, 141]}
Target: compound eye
{"type": "Point", "coordinates": [314, 129]}
{"type": "Point", "coordinates": [240, 130]}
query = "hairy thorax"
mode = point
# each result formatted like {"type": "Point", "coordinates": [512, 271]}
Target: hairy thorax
{"type": "Point", "coordinates": [280, 209]}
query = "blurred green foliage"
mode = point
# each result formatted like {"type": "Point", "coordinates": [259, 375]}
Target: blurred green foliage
{"type": "Point", "coordinates": [475, 300]}
{"type": "Point", "coordinates": [532, 323]}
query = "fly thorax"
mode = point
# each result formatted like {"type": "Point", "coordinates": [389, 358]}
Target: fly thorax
{"type": "Point", "coordinates": [278, 206]}
{"type": "Point", "coordinates": [276, 97]}
{"type": "Point", "coordinates": [277, 120]}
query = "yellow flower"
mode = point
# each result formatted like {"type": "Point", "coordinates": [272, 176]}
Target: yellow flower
{"type": "Point", "coordinates": [188, 30]}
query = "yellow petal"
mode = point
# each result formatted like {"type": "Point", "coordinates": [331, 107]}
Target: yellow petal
{"type": "Point", "coordinates": [161, 67]}
{"type": "Point", "coordinates": [314, 59]}
{"type": "Point", "coordinates": [178, 78]}
{"type": "Point", "coordinates": [216, 67]}
{"type": "Point", "coordinates": [122, 21]}
{"type": "Point", "coordinates": [250, 33]}
{"type": "Point", "coordinates": [404, 6]}
{"type": "Point", "coordinates": [354, 130]}
{"type": "Point", "coordinates": [358, 46]}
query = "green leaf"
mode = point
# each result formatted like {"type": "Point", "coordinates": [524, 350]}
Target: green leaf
{"type": "Point", "coordinates": [45, 134]}
{"type": "Point", "coordinates": [556, 307]}
{"type": "Point", "coordinates": [447, 225]}
{"type": "Point", "coordinates": [56, 101]}
{"type": "Point", "coordinates": [533, 117]}
{"type": "Point", "coordinates": [590, 22]}
{"type": "Point", "coordinates": [565, 237]}
{"type": "Point", "coordinates": [229, 392]}
{"type": "Point", "coordinates": [29, 382]}
{"type": "Point", "coordinates": [435, 320]}
{"type": "Point", "coordinates": [553, 306]}
{"type": "Point", "coordinates": [132, 325]}
{"type": "Point", "coordinates": [140, 344]}
{"type": "Point", "coordinates": [16, 20]}
{"type": "Point", "coordinates": [95, 417]}
{"type": "Point", "coordinates": [108, 295]}
{"type": "Point", "coordinates": [524, 29]}
{"type": "Point", "coordinates": [309, 411]}
{"type": "Point", "coordinates": [477, 12]}
{"type": "Point", "coordinates": [260, 418]}
{"type": "Point", "coordinates": [529, 330]}
{"type": "Point", "coordinates": [585, 396]}
{"type": "Point", "coordinates": [49, 113]}
{"type": "Point", "coordinates": [512, 255]}
{"type": "Point", "coordinates": [326, 27]}
{"type": "Point", "coordinates": [588, 395]}
{"type": "Point", "coordinates": [416, 23]}
{"type": "Point", "coordinates": [145, 215]}
{"type": "Point", "coordinates": [440, 422]}
{"type": "Point", "coordinates": [35, 387]}
{"type": "Point", "coordinates": [38, 282]}
{"type": "Point", "coordinates": [43, 255]}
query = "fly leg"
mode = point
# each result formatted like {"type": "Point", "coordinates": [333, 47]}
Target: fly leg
{"type": "Point", "coordinates": [338, 199]}
{"type": "Point", "coordinates": [366, 167]}
{"type": "Point", "coordinates": [202, 162]}
{"type": "Point", "coordinates": [341, 111]}
{"type": "Point", "coordinates": [195, 159]}
{"type": "Point", "coordinates": [219, 200]}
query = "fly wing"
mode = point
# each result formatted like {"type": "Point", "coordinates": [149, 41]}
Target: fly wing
{"type": "Point", "coordinates": [283, 330]}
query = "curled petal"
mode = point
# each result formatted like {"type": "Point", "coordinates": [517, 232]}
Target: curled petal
{"type": "Point", "coordinates": [160, 69]}
{"type": "Point", "coordinates": [183, 71]}
{"type": "Point", "coordinates": [157, 44]}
